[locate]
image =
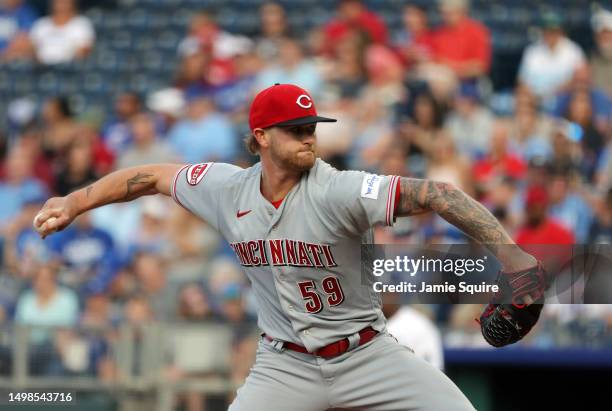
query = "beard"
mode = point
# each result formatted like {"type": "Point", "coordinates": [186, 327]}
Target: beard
{"type": "Point", "coordinates": [300, 161]}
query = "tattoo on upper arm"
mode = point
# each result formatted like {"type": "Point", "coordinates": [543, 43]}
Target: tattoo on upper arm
{"type": "Point", "coordinates": [454, 206]}
{"type": "Point", "coordinates": [140, 178]}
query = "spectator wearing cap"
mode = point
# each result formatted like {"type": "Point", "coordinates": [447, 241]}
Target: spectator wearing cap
{"type": "Point", "coordinates": [354, 17]}
{"type": "Point", "coordinates": [88, 253]}
{"type": "Point", "coordinates": [601, 60]}
{"type": "Point", "coordinates": [415, 43]}
{"type": "Point", "coordinates": [548, 65]}
{"type": "Point", "coordinates": [470, 123]}
{"type": "Point", "coordinates": [462, 43]}
{"type": "Point", "coordinates": [146, 147]}
{"type": "Point", "coordinates": [204, 134]}
{"type": "Point", "coordinates": [539, 228]}
{"type": "Point", "coordinates": [151, 234]}
{"type": "Point", "coordinates": [63, 36]}
{"type": "Point", "coordinates": [16, 19]}
{"type": "Point", "coordinates": [168, 104]}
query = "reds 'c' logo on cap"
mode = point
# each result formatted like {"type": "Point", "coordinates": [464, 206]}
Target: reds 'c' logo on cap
{"type": "Point", "coordinates": [196, 172]}
{"type": "Point", "coordinates": [300, 101]}
{"type": "Point", "coordinates": [283, 105]}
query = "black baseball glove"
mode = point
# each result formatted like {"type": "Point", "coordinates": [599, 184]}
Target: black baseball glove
{"type": "Point", "coordinates": [515, 309]}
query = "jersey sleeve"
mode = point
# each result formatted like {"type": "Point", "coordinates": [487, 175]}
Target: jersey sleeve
{"type": "Point", "coordinates": [358, 201]}
{"type": "Point", "coordinates": [197, 188]}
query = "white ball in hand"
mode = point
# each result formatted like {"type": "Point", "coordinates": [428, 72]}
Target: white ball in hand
{"type": "Point", "coordinates": [41, 227]}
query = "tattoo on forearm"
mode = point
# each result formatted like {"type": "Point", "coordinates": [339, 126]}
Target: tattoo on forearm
{"type": "Point", "coordinates": [454, 206]}
{"type": "Point", "coordinates": [140, 178]}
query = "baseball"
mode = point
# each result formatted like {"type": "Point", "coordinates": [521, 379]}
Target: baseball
{"type": "Point", "coordinates": [38, 226]}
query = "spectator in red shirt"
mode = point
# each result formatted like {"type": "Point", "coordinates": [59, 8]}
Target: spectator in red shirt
{"type": "Point", "coordinates": [415, 43]}
{"type": "Point", "coordinates": [539, 228]}
{"type": "Point", "coordinates": [498, 162]}
{"type": "Point", "coordinates": [462, 43]}
{"type": "Point", "coordinates": [354, 16]}
{"type": "Point", "coordinates": [542, 236]}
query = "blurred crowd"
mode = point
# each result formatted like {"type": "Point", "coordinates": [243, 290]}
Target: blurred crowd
{"type": "Point", "coordinates": [417, 102]}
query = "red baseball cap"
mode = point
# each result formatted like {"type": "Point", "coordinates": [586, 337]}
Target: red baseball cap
{"type": "Point", "coordinates": [283, 105]}
{"type": "Point", "coordinates": [536, 195]}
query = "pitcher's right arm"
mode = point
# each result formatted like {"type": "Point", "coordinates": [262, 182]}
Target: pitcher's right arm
{"type": "Point", "coordinates": [119, 186]}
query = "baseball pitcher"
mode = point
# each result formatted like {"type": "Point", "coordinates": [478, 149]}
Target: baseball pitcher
{"type": "Point", "coordinates": [296, 225]}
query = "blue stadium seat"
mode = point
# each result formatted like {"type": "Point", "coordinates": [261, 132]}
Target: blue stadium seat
{"type": "Point", "coordinates": [48, 83]}
{"type": "Point", "coordinates": [93, 82]}
{"type": "Point", "coordinates": [121, 40]}
{"type": "Point", "coordinates": [143, 41]}
{"type": "Point", "coordinates": [96, 15]}
{"type": "Point", "coordinates": [5, 82]}
{"type": "Point", "coordinates": [168, 40]}
{"type": "Point", "coordinates": [106, 59]}
{"type": "Point", "coordinates": [137, 18]}
{"type": "Point", "coordinates": [113, 21]}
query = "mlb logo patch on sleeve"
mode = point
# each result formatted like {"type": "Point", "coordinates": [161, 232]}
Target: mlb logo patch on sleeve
{"type": "Point", "coordinates": [196, 172]}
{"type": "Point", "coordinates": [370, 186]}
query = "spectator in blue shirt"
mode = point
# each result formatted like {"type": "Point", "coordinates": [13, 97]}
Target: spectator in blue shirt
{"type": "Point", "coordinates": [568, 207]}
{"type": "Point", "coordinates": [116, 132]}
{"type": "Point", "coordinates": [600, 113]}
{"type": "Point", "coordinates": [16, 19]}
{"type": "Point", "coordinates": [88, 252]}
{"type": "Point", "coordinates": [204, 135]}
{"type": "Point", "coordinates": [292, 68]}
{"type": "Point", "coordinates": [47, 305]}
{"type": "Point", "coordinates": [18, 184]}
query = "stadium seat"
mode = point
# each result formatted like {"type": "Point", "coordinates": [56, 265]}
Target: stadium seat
{"type": "Point", "coordinates": [48, 83]}
{"type": "Point", "coordinates": [121, 40]}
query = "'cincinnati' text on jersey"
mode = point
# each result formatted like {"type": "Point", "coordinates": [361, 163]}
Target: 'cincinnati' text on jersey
{"type": "Point", "coordinates": [283, 252]}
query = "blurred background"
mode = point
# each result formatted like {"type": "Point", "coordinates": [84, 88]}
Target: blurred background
{"type": "Point", "coordinates": [141, 306]}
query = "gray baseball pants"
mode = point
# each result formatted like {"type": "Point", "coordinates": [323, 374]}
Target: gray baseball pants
{"type": "Point", "coordinates": [380, 375]}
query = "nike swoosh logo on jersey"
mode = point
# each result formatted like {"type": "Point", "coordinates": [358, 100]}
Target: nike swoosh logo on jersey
{"type": "Point", "coordinates": [242, 213]}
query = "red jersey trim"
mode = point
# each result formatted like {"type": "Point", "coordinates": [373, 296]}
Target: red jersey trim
{"type": "Point", "coordinates": [277, 203]}
{"type": "Point", "coordinates": [392, 200]}
{"type": "Point", "coordinates": [173, 187]}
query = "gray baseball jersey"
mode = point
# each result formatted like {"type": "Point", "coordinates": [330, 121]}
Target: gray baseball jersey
{"type": "Point", "coordinates": [303, 259]}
